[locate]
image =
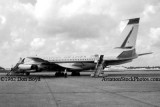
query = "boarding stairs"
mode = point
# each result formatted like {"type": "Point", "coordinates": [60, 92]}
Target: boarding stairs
{"type": "Point", "coordinates": [99, 67]}
{"type": "Point", "coordinates": [15, 68]}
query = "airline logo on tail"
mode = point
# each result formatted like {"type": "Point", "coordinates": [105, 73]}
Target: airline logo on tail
{"type": "Point", "coordinates": [131, 31]}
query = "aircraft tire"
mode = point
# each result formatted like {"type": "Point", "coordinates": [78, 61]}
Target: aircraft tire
{"type": "Point", "coordinates": [65, 75]}
{"type": "Point", "coordinates": [59, 74]}
{"type": "Point", "coordinates": [27, 73]}
{"type": "Point", "coordinates": [56, 74]}
{"type": "Point", "coordinates": [75, 74]}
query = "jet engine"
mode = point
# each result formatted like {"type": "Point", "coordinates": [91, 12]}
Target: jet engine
{"type": "Point", "coordinates": [28, 67]}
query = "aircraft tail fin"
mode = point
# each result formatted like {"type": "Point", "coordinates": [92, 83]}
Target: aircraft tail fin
{"type": "Point", "coordinates": [130, 36]}
{"type": "Point", "coordinates": [130, 33]}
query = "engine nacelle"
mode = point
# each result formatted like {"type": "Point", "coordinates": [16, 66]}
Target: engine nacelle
{"type": "Point", "coordinates": [24, 67]}
{"type": "Point", "coordinates": [28, 67]}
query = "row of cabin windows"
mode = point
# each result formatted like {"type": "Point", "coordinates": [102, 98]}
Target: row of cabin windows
{"type": "Point", "coordinates": [72, 59]}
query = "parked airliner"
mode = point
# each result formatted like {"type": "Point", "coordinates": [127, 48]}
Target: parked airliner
{"type": "Point", "coordinates": [125, 53]}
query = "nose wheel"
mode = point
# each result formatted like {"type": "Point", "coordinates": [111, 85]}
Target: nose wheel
{"type": "Point", "coordinates": [65, 73]}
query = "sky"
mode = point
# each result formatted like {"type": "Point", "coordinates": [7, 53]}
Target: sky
{"type": "Point", "coordinates": [57, 27]}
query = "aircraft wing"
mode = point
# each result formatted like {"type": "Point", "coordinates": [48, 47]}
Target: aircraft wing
{"type": "Point", "coordinates": [63, 65]}
{"type": "Point", "coordinates": [69, 65]}
{"type": "Point", "coordinates": [37, 59]}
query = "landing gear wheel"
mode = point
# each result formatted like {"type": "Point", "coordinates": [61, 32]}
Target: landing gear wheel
{"type": "Point", "coordinates": [59, 74]}
{"type": "Point", "coordinates": [56, 74]}
{"type": "Point", "coordinates": [65, 75]}
{"type": "Point", "coordinates": [27, 73]}
{"type": "Point", "coordinates": [75, 74]}
{"type": "Point", "coordinates": [62, 74]}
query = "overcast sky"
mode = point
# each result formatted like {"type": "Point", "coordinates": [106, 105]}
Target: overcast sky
{"type": "Point", "coordinates": [52, 27]}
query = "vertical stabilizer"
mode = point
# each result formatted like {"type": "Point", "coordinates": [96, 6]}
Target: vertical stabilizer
{"type": "Point", "coordinates": [130, 33]}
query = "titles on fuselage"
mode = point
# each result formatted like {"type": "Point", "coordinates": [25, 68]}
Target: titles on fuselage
{"type": "Point", "coordinates": [70, 58]}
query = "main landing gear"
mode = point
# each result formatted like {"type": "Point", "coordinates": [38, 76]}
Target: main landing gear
{"type": "Point", "coordinates": [75, 73]}
{"type": "Point", "coordinates": [65, 73]}
{"type": "Point", "coordinates": [61, 74]}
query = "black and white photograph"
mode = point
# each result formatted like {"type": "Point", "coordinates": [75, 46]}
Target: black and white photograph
{"type": "Point", "coordinates": [80, 53]}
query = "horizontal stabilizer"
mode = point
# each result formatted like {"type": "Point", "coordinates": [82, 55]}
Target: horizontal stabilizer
{"type": "Point", "coordinates": [145, 53]}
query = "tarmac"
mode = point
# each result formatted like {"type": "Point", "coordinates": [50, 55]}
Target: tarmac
{"type": "Point", "coordinates": [45, 90]}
